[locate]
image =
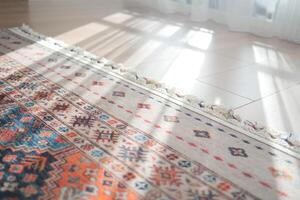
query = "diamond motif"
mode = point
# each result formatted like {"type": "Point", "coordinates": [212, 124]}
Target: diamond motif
{"type": "Point", "coordinates": [99, 83]}
{"type": "Point", "coordinates": [118, 94]}
{"type": "Point", "coordinates": [238, 152]}
{"type": "Point", "coordinates": [204, 134]}
{"type": "Point", "coordinates": [80, 74]}
{"type": "Point", "coordinates": [15, 168]}
{"type": "Point", "coordinates": [145, 106]}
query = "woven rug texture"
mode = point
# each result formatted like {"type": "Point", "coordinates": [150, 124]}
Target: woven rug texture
{"type": "Point", "coordinates": [72, 129]}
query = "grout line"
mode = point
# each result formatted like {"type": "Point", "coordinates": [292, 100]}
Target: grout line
{"type": "Point", "coordinates": [225, 90]}
{"type": "Point", "coordinates": [241, 106]}
{"type": "Point", "coordinates": [228, 70]}
{"type": "Point", "coordinates": [269, 95]}
{"type": "Point", "coordinates": [244, 63]}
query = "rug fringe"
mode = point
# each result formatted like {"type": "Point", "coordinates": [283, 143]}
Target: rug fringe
{"type": "Point", "coordinates": [286, 139]}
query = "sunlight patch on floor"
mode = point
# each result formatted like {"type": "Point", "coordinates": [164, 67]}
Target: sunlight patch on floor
{"type": "Point", "coordinates": [143, 52]}
{"type": "Point", "coordinates": [82, 33]}
{"type": "Point", "coordinates": [184, 71]}
{"type": "Point", "coordinates": [118, 18]}
{"type": "Point", "coordinates": [200, 39]}
{"type": "Point", "coordinates": [168, 31]}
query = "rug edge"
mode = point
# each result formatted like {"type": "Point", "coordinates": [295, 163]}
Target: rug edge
{"type": "Point", "coordinates": [224, 114]}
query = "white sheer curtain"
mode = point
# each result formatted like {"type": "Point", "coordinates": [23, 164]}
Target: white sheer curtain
{"type": "Point", "coordinates": [280, 18]}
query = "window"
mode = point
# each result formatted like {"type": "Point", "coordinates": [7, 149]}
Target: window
{"type": "Point", "coordinates": [214, 4]}
{"type": "Point", "coordinates": [265, 9]}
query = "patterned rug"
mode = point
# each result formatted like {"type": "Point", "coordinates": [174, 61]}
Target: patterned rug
{"type": "Point", "coordinates": [76, 127]}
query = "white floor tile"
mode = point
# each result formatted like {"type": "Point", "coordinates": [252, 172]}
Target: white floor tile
{"type": "Point", "coordinates": [280, 111]}
{"type": "Point", "coordinates": [253, 82]}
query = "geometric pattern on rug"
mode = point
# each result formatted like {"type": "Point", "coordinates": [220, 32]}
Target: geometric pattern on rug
{"type": "Point", "coordinates": [71, 131]}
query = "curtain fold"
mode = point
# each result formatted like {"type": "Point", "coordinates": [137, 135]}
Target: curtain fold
{"type": "Point", "coordinates": [267, 18]}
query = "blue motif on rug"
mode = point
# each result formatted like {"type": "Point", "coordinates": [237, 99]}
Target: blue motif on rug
{"type": "Point", "coordinates": [22, 129]}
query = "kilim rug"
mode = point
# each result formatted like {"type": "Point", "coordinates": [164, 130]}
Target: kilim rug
{"type": "Point", "coordinates": [74, 127]}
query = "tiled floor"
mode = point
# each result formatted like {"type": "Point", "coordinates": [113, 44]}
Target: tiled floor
{"type": "Point", "coordinates": [259, 77]}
